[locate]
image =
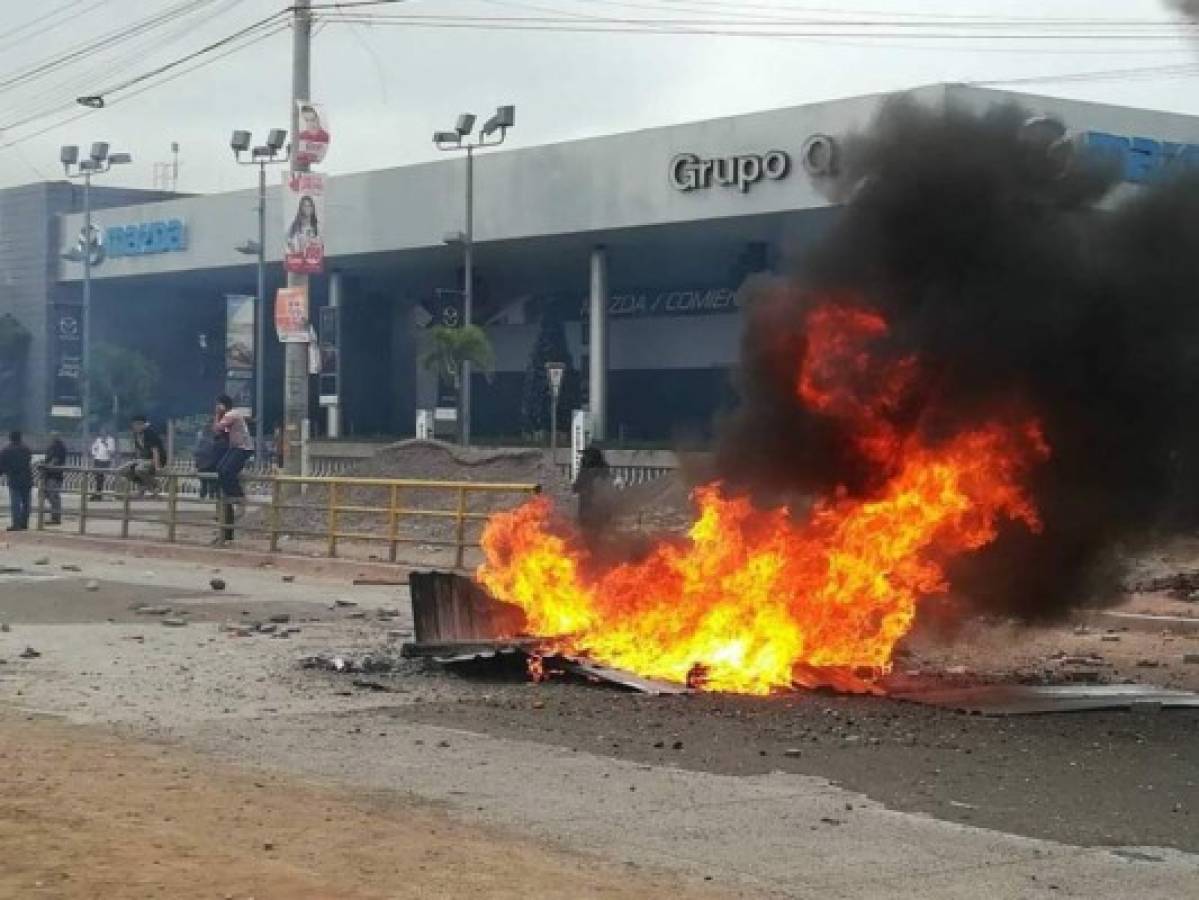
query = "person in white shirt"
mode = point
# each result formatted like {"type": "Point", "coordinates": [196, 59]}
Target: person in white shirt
{"type": "Point", "coordinates": [104, 453]}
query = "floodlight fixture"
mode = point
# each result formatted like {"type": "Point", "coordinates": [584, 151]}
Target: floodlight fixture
{"type": "Point", "coordinates": [91, 101]}
{"type": "Point", "coordinates": [453, 237]}
{"type": "Point", "coordinates": [276, 138]}
{"type": "Point", "coordinates": [240, 142]}
{"type": "Point", "coordinates": [505, 117]}
{"type": "Point", "coordinates": [99, 151]}
{"type": "Point", "coordinates": [465, 124]}
{"type": "Point", "coordinates": [68, 155]}
{"type": "Point", "coordinates": [120, 159]}
{"type": "Point", "coordinates": [447, 137]}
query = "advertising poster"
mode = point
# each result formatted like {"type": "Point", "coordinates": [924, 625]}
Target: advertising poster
{"type": "Point", "coordinates": [312, 137]}
{"type": "Point", "coordinates": [239, 351]}
{"type": "Point", "coordinates": [67, 401]}
{"type": "Point", "coordinates": [291, 315]}
{"type": "Point", "coordinates": [304, 222]}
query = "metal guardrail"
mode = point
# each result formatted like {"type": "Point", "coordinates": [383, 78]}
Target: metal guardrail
{"type": "Point", "coordinates": [278, 495]}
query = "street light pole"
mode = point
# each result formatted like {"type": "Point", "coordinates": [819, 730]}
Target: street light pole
{"type": "Point", "coordinates": [504, 118]}
{"type": "Point", "coordinates": [468, 287]}
{"type": "Point", "coordinates": [261, 156]}
{"type": "Point", "coordinates": [85, 388]}
{"type": "Point", "coordinates": [260, 319]}
{"type": "Point", "coordinates": [99, 161]}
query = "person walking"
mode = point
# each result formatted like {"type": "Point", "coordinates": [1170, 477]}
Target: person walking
{"type": "Point", "coordinates": [231, 425]}
{"type": "Point", "coordinates": [52, 476]}
{"type": "Point", "coordinates": [151, 456]}
{"type": "Point", "coordinates": [104, 454]}
{"type": "Point", "coordinates": [16, 464]}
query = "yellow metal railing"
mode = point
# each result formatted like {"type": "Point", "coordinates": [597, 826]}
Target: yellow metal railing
{"type": "Point", "coordinates": [372, 510]}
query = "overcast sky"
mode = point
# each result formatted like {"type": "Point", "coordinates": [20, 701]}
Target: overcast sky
{"type": "Point", "coordinates": [387, 88]}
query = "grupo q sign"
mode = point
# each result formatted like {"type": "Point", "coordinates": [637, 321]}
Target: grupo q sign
{"type": "Point", "coordinates": [691, 172]}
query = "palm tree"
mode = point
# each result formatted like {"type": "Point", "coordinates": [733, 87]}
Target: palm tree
{"type": "Point", "coordinates": [448, 348]}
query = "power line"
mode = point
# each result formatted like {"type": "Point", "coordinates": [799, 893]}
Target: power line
{"type": "Point", "coordinates": [105, 41]}
{"type": "Point", "coordinates": [79, 81]}
{"type": "Point", "coordinates": [10, 38]}
{"type": "Point", "coordinates": [280, 27]}
{"type": "Point", "coordinates": [794, 28]}
{"type": "Point", "coordinates": [107, 93]}
{"type": "Point", "coordinates": [1141, 73]}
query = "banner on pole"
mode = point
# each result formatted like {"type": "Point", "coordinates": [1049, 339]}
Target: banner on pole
{"type": "Point", "coordinates": [239, 351]}
{"type": "Point", "coordinates": [312, 137]}
{"type": "Point", "coordinates": [67, 401]}
{"type": "Point", "coordinates": [291, 315]}
{"type": "Point", "coordinates": [304, 222]}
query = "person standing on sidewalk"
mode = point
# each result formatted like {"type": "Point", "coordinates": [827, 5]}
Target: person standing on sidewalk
{"type": "Point", "coordinates": [16, 464]}
{"type": "Point", "coordinates": [231, 424]}
{"type": "Point", "coordinates": [104, 454]}
{"type": "Point", "coordinates": [52, 476]}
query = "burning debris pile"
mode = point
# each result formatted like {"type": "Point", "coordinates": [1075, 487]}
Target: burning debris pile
{"type": "Point", "coordinates": [980, 385]}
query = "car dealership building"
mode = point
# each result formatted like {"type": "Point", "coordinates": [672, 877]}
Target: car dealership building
{"type": "Point", "coordinates": [634, 243]}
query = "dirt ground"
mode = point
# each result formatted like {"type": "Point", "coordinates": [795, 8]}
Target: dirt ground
{"type": "Point", "coordinates": [86, 814]}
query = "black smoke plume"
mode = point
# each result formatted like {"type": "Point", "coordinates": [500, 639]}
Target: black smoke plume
{"type": "Point", "coordinates": [1189, 8]}
{"type": "Point", "coordinates": [1023, 278]}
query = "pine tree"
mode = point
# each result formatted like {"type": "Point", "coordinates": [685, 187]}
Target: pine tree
{"type": "Point", "coordinates": [550, 346]}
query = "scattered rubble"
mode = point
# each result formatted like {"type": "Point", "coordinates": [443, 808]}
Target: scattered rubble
{"type": "Point", "coordinates": [217, 584]}
{"type": "Point", "coordinates": [92, 585]}
{"type": "Point", "coordinates": [172, 622]}
{"type": "Point", "coordinates": [342, 664]}
{"type": "Point", "coordinates": [30, 653]}
{"type": "Point", "coordinates": [42, 561]}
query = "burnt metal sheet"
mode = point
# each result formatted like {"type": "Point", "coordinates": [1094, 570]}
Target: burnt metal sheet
{"type": "Point", "coordinates": [450, 607]}
{"type": "Point", "coordinates": [461, 651]}
{"type": "Point", "coordinates": [620, 677]}
{"type": "Point", "coordinates": [1023, 700]}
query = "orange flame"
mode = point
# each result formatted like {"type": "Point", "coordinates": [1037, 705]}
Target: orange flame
{"type": "Point", "coordinates": [755, 599]}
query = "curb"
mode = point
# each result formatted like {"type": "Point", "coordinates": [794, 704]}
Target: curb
{"type": "Point", "coordinates": [231, 557]}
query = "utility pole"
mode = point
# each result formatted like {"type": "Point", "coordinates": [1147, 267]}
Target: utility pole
{"type": "Point", "coordinates": [295, 373]}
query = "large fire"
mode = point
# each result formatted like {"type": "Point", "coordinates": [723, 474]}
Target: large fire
{"type": "Point", "coordinates": [756, 599]}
